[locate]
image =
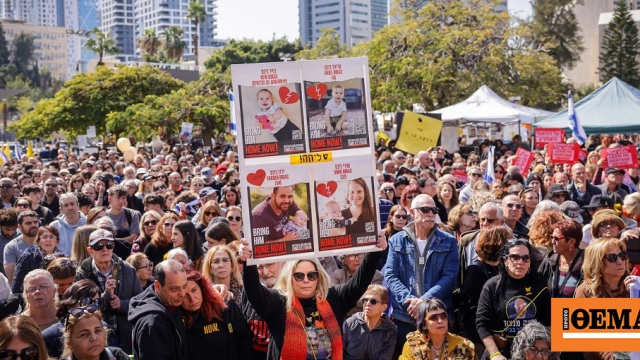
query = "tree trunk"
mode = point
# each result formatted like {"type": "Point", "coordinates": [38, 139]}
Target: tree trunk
{"type": "Point", "coordinates": [207, 132]}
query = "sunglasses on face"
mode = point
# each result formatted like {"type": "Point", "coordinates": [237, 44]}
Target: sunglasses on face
{"type": "Point", "coordinates": [612, 258]}
{"type": "Point", "coordinates": [516, 258]}
{"type": "Point", "coordinates": [388, 190]}
{"type": "Point", "coordinates": [471, 212]}
{"type": "Point", "coordinates": [475, 175]}
{"type": "Point", "coordinates": [99, 246]}
{"type": "Point", "coordinates": [499, 172]}
{"type": "Point", "coordinates": [231, 218]}
{"type": "Point", "coordinates": [22, 205]}
{"type": "Point", "coordinates": [159, 188]}
{"type": "Point", "coordinates": [557, 238]}
{"type": "Point", "coordinates": [427, 209]}
{"type": "Point", "coordinates": [439, 316]}
{"type": "Point", "coordinates": [311, 275]}
{"type": "Point", "coordinates": [410, 197]}
{"type": "Point", "coordinates": [151, 223]}
{"type": "Point", "coordinates": [512, 205]}
{"type": "Point", "coordinates": [209, 213]}
{"type": "Point", "coordinates": [397, 216]}
{"type": "Point", "coordinates": [79, 311]}
{"type": "Point", "coordinates": [607, 224]}
{"type": "Point", "coordinates": [30, 353]}
{"type": "Point", "coordinates": [371, 301]}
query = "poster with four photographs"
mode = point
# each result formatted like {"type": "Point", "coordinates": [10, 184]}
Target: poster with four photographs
{"type": "Point", "coordinates": [306, 156]}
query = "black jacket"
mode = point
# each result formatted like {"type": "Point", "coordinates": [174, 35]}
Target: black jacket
{"type": "Point", "coordinates": [228, 339]}
{"type": "Point", "coordinates": [271, 304]}
{"type": "Point", "coordinates": [157, 332]}
{"type": "Point", "coordinates": [549, 271]}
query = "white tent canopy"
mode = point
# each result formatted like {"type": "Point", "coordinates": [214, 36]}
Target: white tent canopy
{"type": "Point", "coordinates": [486, 106]}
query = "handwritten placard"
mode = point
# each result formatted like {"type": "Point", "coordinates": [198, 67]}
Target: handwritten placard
{"type": "Point", "coordinates": [621, 157]}
{"type": "Point", "coordinates": [545, 136]}
{"type": "Point", "coordinates": [562, 153]}
{"type": "Point", "coordinates": [523, 160]}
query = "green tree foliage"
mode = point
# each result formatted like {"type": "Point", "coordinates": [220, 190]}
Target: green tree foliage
{"type": "Point", "coordinates": [197, 14]}
{"type": "Point", "coordinates": [86, 100]}
{"type": "Point", "coordinates": [204, 103]}
{"type": "Point", "coordinates": [251, 51]}
{"type": "Point", "coordinates": [150, 43]}
{"type": "Point", "coordinates": [173, 43]}
{"type": "Point", "coordinates": [101, 44]}
{"type": "Point", "coordinates": [23, 52]}
{"type": "Point", "coordinates": [442, 53]}
{"type": "Point", "coordinates": [620, 47]}
{"type": "Point", "coordinates": [555, 24]}
{"type": "Point", "coordinates": [4, 48]}
{"type": "Point", "coordinates": [329, 46]}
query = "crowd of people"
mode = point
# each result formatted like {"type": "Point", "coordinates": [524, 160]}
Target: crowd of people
{"type": "Point", "coordinates": [102, 259]}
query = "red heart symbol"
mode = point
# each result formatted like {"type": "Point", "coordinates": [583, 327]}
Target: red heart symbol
{"type": "Point", "coordinates": [288, 96]}
{"type": "Point", "coordinates": [256, 178]}
{"type": "Point", "coordinates": [327, 189]}
{"type": "Point", "coordinates": [317, 92]}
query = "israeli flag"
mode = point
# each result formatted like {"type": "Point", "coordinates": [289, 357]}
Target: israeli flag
{"type": "Point", "coordinates": [234, 129]}
{"type": "Point", "coordinates": [4, 158]}
{"type": "Point", "coordinates": [18, 152]}
{"type": "Point", "coordinates": [489, 172]}
{"type": "Point", "coordinates": [574, 123]}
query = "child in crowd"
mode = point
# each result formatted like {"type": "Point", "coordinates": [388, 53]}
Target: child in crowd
{"type": "Point", "coordinates": [272, 118]}
{"type": "Point", "coordinates": [336, 112]}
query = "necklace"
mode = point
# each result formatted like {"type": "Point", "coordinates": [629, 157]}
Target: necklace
{"type": "Point", "coordinates": [437, 351]}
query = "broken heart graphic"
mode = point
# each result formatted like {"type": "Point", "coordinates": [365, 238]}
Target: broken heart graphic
{"type": "Point", "coordinates": [288, 96]}
{"type": "Point", "coordinates": [327, 189]}
{"type": "Point", "coordinates": [256, 178]}
{"type": "Point", "coordinates": [317, 92]}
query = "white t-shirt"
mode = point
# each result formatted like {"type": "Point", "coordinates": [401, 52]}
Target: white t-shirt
{"type": "Point", "coordinates": [336, 110]}
{"type": "Point", "coordinates": [422, 244]}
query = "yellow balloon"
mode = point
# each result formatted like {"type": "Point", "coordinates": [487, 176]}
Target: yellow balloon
{"type": "Point", "coordinates": [123, 144]}
{"type": "Point", "coordinates": [129, 154]}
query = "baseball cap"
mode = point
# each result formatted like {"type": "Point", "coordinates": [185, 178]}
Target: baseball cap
{"type": "Point", "coordinates": [557, 188]}
{"type": "Point", "coordinates": [615, 170]}
{"type": "Point", "coordinates": [600, 201]}
{"type": "Point", "coordinates": [206, 191]}
{"type": "Point", "coordinates": [221, 167]}
{"type": "Point", "coordinates": [206, 172]}
{"type": "Point", "coordinates": [141, 171]}
{"type": "Point", "coordinates": [100, 234]}
{"type": "Point", "coordinates": [571, 210]}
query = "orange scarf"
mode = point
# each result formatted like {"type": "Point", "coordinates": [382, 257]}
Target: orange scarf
{"type": "Point", "coordinates": [295, 335]}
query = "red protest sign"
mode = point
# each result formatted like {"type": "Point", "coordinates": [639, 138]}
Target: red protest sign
{"type": "Point", "coordinates": [523, 160]}
{"type": "Point", "coordinates": [548, 135]}
{"type": "Point", "coordinates": [583, 155]}
{"type": "Point", "coordinates": [621, 157]}
{"type": "Point", "coordinates": [562, 153]}
{"type": "Point", "coordinates": [460, 175]}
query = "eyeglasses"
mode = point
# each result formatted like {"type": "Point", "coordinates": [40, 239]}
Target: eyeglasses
{"type": "Point", "coordinates": [472, 212]}
{"type": "Point", "coordinates": [498, 171]}
{"type": "Point", "coordinates": [355, 256]}
{"type": "Point", "coordinates": [79, 311]}
{"type": "Point", "coordinates": [220, 261]}
{"type": "Point", "coordinates": [167, 224]}
{"type": "Point", "coordinates": [388, 190]}
{"type": "Point", "coordinates": [475, 175]}
{"type": "Point", "coordinates": [151, 223]}
{"type": "Point", "coordinates": [563, 195]}
{"type": "Point", "coordinates": [612, 258]}
{"type": "Point", "coordinates": [516, 258]}
{"type": "Point", "coordinates": [49, 185]}
{"type": "Point", "coordinates": [427, 209]}
{"type": "Point", "coordinates": [30, 353]}
{"type": "Point", "coordinates": [42, 288]}
{"type": "Point", "coordinates": [6, 186]}
{"type": "Point", "coordinates": [512, 205]}
{"type": "Point", "coordinates": [77, 181]}
{"type": "Point", "coordinates": [159, 188]}
{"type": "Point", "coordinates": [149, 266]}
{"type": "Point", "coordinates": [607, 224]}
{"type": "Point", "coordinates": [99, 246]}
{"type": "Point", "coordinates": [410, 197]}
{"type": "Point", "coordinates": [439, 316]}
{"type": "Point", "coordinates": [371, 301]}
{"type": "Point", "coordinates": [210, 213]}
{"type": "Point", "coordinates": [311, 275]}
{"type": "Point", "coordinates": [231, 218]}
{"type": "Point", "coordinates": [556, 238]}
{"type": "Point", "coordinates": [162, 176]}
{"type": "Point", "coordinates": [397, 216]}
{"type": "Point", "coordinates": [22, 205]}
{"type": "Point", "coordinates": [535, 351]}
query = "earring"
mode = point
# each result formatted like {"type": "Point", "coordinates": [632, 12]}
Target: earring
{"type": "Point", "coordinates": [528, 271]}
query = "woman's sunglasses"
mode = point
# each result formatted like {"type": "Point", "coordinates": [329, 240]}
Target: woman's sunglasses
{"type": "Point", "coordinates": [79, 311]}
{"type": "Point", "coordinates": [398, 216]}
{"type": "Point", "coordinates": [371, 301]}
{"type": "Point", "coordinates": [30, 353]}
{"type": "Point", "coordinates": [612, 258]}
{"type": "Point", "coordinates": [231, 218]}
{"type": "Point", "coordinates": [151, 223]}
{"type": "Point", "coordinates": [311, 275]}
{"type": "Point", "coordinates": [439, 316]}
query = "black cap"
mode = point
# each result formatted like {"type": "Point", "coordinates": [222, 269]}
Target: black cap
{"type": "Point", "coordinates": [600, 201]}
{"type": "Point", "coordinates": [401, 180]}
{"type": "Point", "coordinates": [615, 170]}
{"type": "Point", "coordinates": [557, 188]}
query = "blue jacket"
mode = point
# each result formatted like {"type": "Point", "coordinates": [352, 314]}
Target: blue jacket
{"type": "Point", "coordinates": [440, 272]}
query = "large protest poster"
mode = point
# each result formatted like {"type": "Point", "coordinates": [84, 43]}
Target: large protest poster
{"type": "Point", "coordinates": [544, 136]}
{"type": "Point", "coordinates": [523, 160]}
{"type": "Point", "coordinates": [309, 191]}
{"type": "Point", "coordinates": [561, 153]}
{"type": "Point", "coordinates": [621, 157]}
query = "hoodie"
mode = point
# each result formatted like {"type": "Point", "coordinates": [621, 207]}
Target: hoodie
{"type": "Point", "coordinates": [66, 231]}
{"type": "Point", "coordinates": [361, 343]}
{"type": "Point", "coordinates": [158, 333]}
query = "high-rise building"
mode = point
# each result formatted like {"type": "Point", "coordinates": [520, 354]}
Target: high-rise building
{"type": "Point", "coordinates": [161, 14]}
{"type": "Point", "coordinates": [34, 12]}
{"type": "Point", "coordinates": [49, 42]}
{"type": "Point", "coordinates": [80, 17]}
{"type": "Point", "coordinates": [116, 18]}
{"type": "Point", "coordinates": [353, 20]}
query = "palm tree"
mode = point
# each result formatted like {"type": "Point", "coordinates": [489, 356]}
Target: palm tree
{"type": "Point", "coordinates": [197, 14]}
{"type": "Point", "coordinates": [150, 44]}
{"type": "Point", "coordinates": [173, 43]}
{"type": "Point", "coordinates": [102, 44]}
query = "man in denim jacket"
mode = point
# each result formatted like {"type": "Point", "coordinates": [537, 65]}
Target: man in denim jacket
{"type": "Point", "coordinates": [422, 263]}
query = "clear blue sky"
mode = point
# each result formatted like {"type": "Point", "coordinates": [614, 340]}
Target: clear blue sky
{"type": "Point", "coordinates": [261, 19]}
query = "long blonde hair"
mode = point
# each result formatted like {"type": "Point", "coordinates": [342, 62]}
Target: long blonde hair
{"type": "Point", "coordinates": [208, 257]}
{"type": "Point", "coordinates": [80, 242]}
{"type": "Point", "coordinates": [285, 281]}
{"type": "Point", "coordinates": [593, 264]}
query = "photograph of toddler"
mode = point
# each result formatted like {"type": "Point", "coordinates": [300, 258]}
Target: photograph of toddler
{"type": "Point", "coordinates": [298, 225]}
{"type": "Point", "coordinates": [272, 119]}
{"type": "Point", "coordinates": [336, 112]}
